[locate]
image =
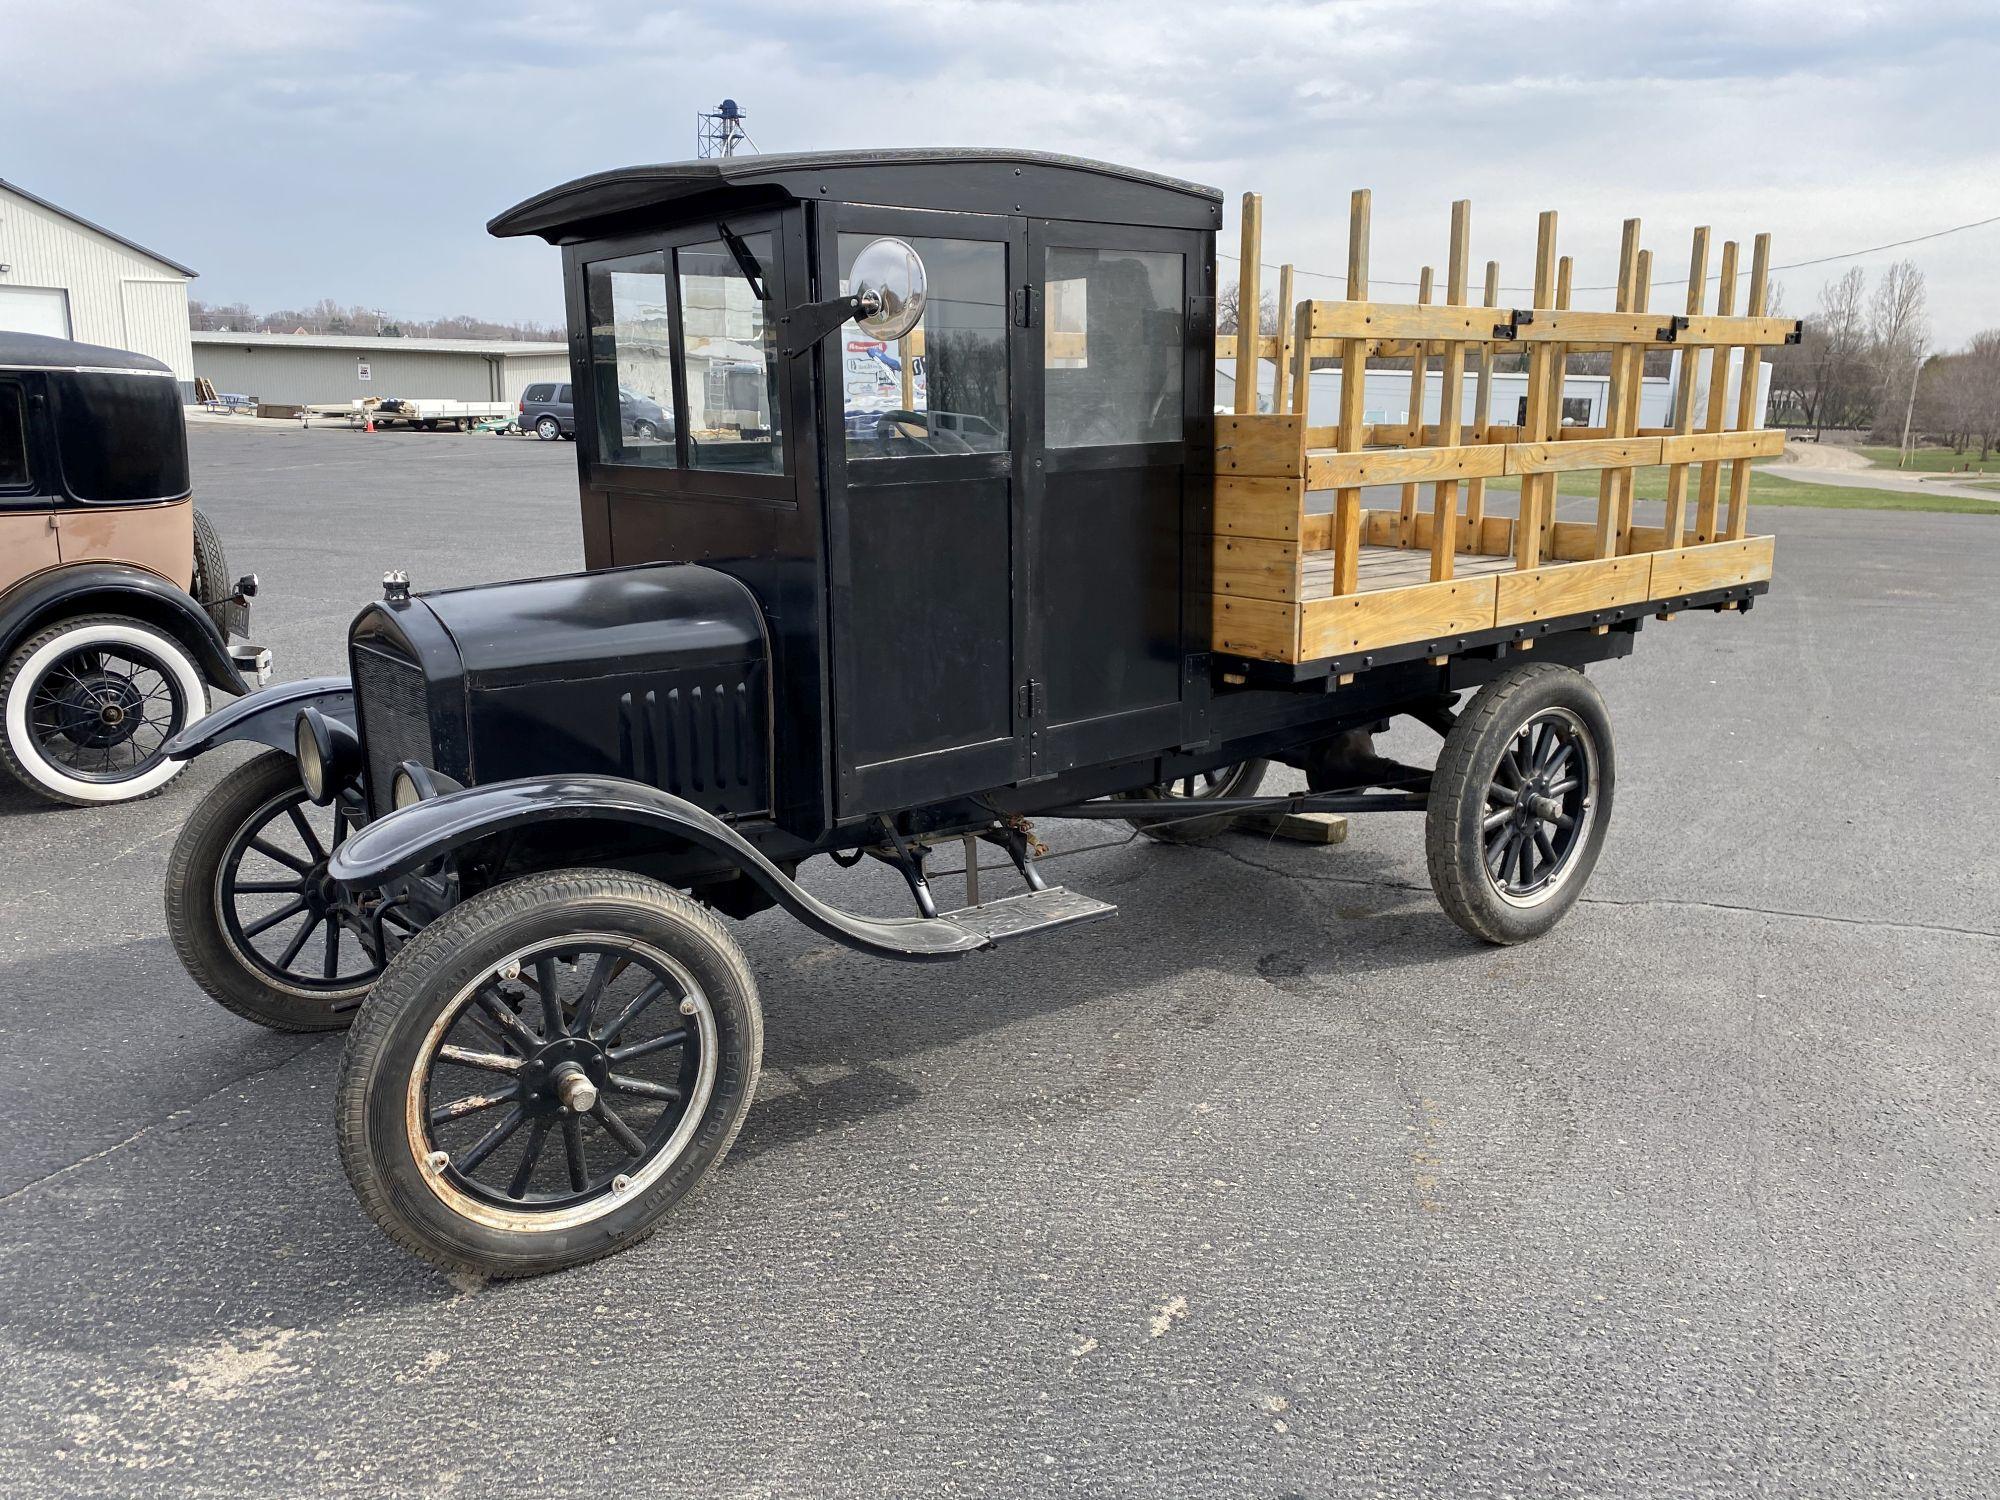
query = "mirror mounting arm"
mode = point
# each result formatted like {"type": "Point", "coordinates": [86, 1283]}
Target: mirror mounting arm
{"type": "Point", "coordinates": [802, 329]}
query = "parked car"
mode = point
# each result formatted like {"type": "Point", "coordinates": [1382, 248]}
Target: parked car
{"type": "Point", "coordinates": [116, 605]}
{"type": "Point", "coordinates": [548, 410]}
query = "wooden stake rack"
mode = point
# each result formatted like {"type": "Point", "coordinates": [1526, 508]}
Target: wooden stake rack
{"type": "Point", "coordinates": [1296, 582]}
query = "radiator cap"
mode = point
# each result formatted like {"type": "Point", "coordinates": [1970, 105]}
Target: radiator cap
{"type": "Point", "coordinates": [396, 586]}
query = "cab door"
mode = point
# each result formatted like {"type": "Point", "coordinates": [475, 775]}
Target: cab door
{"type": "Point", "coordinates": [1116, 667]}
{"type": "Point", "coordinates": [924, 517]}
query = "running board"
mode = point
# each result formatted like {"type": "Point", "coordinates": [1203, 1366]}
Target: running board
{"type": "Point", "coordinates": [1031, 911]}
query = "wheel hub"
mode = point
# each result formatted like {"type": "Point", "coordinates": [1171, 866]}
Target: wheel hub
{"type": "Point", "coordinates": [101, 709]}
{"type": "Point", "coordinates": [564, 1077]}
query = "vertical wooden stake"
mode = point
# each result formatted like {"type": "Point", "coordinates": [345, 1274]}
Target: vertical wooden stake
{"type": "Point", "coordinates": [1747, 415]}
{"type": "Point", "coordinates": [1281, 382]}
{"type": "Point", "coordinates": [1718, 386]}
{"type": "Point", "coordinates": [1614, 412]}
{"type": "Point", "coordinates": [1353, 403]}
{"type": "Point", "coordinates": [1302, 367]}
{"type": "Point", "coordinates": [1413, 434]}
{"type": "Point", "coordinates": [1689, 364]}
{"type": "Point", "coordinates": [1451, 397]}
{"type": "Point", "coordinates": [1482, 417]}
{"type": "Point", "coordinates": [1537, 490]}
{"type": "Point", "coordinates": [1249, 304]}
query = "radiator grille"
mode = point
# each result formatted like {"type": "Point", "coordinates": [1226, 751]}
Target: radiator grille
{"type": "Point", "coordinates": [395, 719]}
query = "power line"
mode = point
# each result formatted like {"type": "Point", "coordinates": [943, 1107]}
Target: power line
{"type": "Point", "coordinates": [1793, 265]}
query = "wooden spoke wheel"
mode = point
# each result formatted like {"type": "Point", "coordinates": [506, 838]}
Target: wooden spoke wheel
{"type": "Point", "coordinates": [252, 913]}
{"type": "Point", "coordinates": [1519, 802]}
{"type": "Point", "coordinates": [1239, 780]}
{"type": "Point", "coordinates": [547, 1070]}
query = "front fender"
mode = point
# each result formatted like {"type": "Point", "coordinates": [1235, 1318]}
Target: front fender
{"type": "Point", "coordinates": [265, 717]}
{"type": "Point", "coordinates": [413, 837]}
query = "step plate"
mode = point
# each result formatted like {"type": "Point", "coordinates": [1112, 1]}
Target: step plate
{"type": "Point", "coordinates": [1032, 911]}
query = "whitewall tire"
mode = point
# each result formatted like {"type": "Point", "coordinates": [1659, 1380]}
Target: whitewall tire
{"type": "Point", "coordinates": [86, 704]}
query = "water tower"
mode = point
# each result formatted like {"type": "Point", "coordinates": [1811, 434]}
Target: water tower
{"type": "Point", "coordinates": [720, 131]}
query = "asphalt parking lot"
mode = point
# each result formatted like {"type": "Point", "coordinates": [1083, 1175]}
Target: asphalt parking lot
{"type": "Point", "coordinates": [1275, 1185]}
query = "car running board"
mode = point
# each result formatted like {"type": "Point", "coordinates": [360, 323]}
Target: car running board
{"type": "Point", "coordinates": [1031, 911]}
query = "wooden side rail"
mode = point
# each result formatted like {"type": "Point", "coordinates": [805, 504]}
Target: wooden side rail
{"type": "Point", "coordinates": [1272, 553]}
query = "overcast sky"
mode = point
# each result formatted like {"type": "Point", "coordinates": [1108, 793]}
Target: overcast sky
{"type": "Point", "coordinates": [356, 149]}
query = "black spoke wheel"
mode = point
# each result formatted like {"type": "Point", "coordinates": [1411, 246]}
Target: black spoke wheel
{"type": "Point", "coordinates": [252, 914]}
{"type": "Point", "coordinates": [90, 704]}
{"type": "Point", "coordinates": [1239, 780]}
{"type": "Point", "coordinates": [546, 1070]}
{"type": "Point", "coordinates": [1520, 802]}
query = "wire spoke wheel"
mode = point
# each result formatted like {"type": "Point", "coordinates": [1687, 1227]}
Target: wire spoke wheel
{"type": "Point", "coordinates": [570, 1076]}
{"type": "Point", "coordinates": [1539, 805]}
{"type": "Point", "coordinates": [89, 704]}
{"type": "Point", "coordinates": [281, 915]}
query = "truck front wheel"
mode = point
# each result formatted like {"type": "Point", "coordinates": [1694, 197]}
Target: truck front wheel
{"type": "Point", "coordinates": [546, 1070]}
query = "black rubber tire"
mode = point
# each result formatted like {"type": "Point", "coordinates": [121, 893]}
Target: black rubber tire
{"type": "Point", "coordinates": [1454, 836]}
{"type": "Point", "coordinates": [24, 761]}
{"type": "Point", "coordinates": [1244, 779]}
{"type": "Point", "coordinates": [213, 587]}
{"type": "Point", "coordinates": [548, 429]}
{"type": "Point", "coordinates": [435, 966]}
{"type": "Point", "coordinates": [194, 920]}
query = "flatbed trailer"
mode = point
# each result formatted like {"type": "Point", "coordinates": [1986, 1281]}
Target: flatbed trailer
{"type": "Point", "coordinates": [420, 414]}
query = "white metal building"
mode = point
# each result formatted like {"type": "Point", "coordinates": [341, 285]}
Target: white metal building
{"type": "Point", "coordinates": [64, 276]}
{"type": "Point", "coordinates": [294, 369]}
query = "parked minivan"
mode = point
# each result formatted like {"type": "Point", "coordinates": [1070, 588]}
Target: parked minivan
{"type": "Point", "coordinates": [548, 410]}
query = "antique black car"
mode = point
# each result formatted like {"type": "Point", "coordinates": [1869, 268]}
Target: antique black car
{"type": "Point", "coordinates": [117, 610]}
{"type": "Point", "coordinates": [943, 536]}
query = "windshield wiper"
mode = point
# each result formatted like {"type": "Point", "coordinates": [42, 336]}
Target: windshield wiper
{"type": "Point", "coordinates": [746, 262]}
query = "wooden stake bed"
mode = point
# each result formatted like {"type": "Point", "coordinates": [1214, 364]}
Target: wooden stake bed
{"type": "Point", "coordinates": [1298, 582]}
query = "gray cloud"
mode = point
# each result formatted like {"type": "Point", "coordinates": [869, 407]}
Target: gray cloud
{"type": "Point", "coordinates": [356, 149]}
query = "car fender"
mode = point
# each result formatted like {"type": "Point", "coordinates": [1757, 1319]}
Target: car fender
{"type": "Point", "coordinates": [124, 589]}
{"type": "Point", "coordinates": [268, 716]}
{"type": "Point", "coordinates": [415, 836]}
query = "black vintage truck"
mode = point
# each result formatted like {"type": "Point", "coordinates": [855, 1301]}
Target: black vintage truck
{"type": "Point", "coordinates": [936, 542]}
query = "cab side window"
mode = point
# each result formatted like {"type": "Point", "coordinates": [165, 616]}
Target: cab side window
{"type": "Point", "coordinates": [942, 387]}
{"type": "Point", "coordinates": [729, 348]}
{"type": "Point", "coordinates": [632, 359]}
{"type": "Point", "coordinates": [1116, 329]}
{"type": "Point", "coordinates": [13, 438]}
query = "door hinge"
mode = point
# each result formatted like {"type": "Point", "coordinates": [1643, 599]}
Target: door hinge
{"type": "Point", "coordinates": [1027, 303]}
{"type": "Point", "coordinates": [1201, 317]}
{"type": "Point", "coordinates": [1031, 699]}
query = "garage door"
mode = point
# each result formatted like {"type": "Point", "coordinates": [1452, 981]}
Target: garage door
{"type": "Point", "coordinates": [35, 309]}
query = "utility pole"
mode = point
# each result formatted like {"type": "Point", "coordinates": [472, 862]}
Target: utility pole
{"type": "Point", "coordinates": [1910, 408]}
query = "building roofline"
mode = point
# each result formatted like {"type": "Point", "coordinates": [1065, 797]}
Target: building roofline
{"type": "Point", "coordinates": [110, 234]}
{"type": "Point", "coordinates": [554, 348]}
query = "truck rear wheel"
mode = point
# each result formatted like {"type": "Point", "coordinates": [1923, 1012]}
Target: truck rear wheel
{"type": "Point", "coordinates": [1519, 802]}
{"type": "Point", "coordinates": [546, 1070]}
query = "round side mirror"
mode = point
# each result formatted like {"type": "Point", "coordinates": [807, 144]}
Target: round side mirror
{"type": "Point", "coordinates": [888, 282]}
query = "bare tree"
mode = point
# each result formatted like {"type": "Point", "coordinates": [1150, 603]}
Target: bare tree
{"type": "Point", "coordinates": [1897, 332]}
{"type": "Point", "coordinates": [1226, 308]}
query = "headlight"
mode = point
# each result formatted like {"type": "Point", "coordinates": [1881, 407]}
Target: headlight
{"type": "Point", "coordinates": [416, 782]}
{"type": "Point", "coordinates": [329, 754]}
{"type": "Point", "coordinates": [312, 759]}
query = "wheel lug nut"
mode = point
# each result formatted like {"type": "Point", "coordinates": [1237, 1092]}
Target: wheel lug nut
{"type": "Point", "coordinates": [437, 1161]}
{"type": "Point", "coordinates": [687, 1006]}
{"type": "Point", "coordinates": [509, 970]}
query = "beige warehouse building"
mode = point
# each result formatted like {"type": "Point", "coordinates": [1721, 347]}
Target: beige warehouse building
{"type": "Point", "coordinates": [297, 369]}
{"type": "Point", "coordinates": [68, 278]}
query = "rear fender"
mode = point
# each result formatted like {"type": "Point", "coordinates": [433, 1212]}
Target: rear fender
{"type": "Point", "coordinates": [408, 839]}
{"type": "Point", "coordinates": [266, 717]}
{"type": "Point", "coordinates": [119, 588]}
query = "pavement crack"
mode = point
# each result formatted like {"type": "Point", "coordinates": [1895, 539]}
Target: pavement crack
{"type": "Point", "coordinates": [1666, 902]}
{"type": "Point", "coordinates": [151, 1125]}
